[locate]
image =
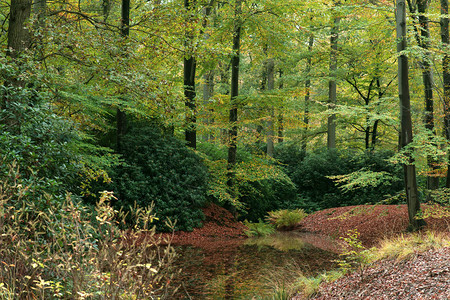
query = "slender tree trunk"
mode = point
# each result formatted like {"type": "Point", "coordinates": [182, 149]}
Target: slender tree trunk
{"type": "Point", "coordinates": [208, 92]}
{"type": "Point", "coordinates": [445, 38]}
{"type": "Point", "coordinates": [208, 77]}
{"type": "Point", "coordinates": [280, 115]}
{"type": "Point", "coordinates": [405, 116]}
{"type": "Point", "coordinates": [270, 124]}
{"type": "Point", "coordinates": [121, 118]}
{"type": "Point", "coordinates": [19, 38]}
{"type": "Point", "coordinates": [225, 84]}
{"type": "Point", "coordinates": [367, 133]}
{"type": "Point", "coordinates": [307, 90]}
{"type": "Point", "coordinates": [432, 181]}
{"type": "Point", "coordinates": [189, 84]}
{"type": "Point", "coordinates": [331, 131]}
{"type": "Point", "coordinates": [106, 8]}
{"type": "Point", "coordinates": [234, 94]}
{"type": "Point", "coordinates": [375, 124]}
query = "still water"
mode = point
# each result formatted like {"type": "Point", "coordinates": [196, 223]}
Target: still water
{"type": "Point", "coordinates": [251, 268]}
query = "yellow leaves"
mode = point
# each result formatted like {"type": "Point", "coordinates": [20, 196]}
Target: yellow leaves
{"type": "Point", "coordinates": [147, 266]}
{"type": "Point", "coordinates": [258, 169]}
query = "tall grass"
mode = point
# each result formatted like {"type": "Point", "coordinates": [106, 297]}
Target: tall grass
{"type": "Point", "coordinates": [405, 246]}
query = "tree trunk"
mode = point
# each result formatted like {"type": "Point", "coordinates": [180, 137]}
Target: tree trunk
{"type": "Point", "coordinates": [19, 37]}
{"type": "Point", "coordinates": [189, 84]}
{"type": "Point", "coordinates": [405, 116]}
{"type": "Point", "coordinates": [307, 90]}
{"type": "Point", "coordinates": [432, 181]}
{"type": "Point", "coordinates": [367, 134]}
{"type": "Point", "coordinates": [208, 92]}
{"type": "Point", "coordinates": [232, 133]}
{"type": "Point", "coordinates": [121, 118]}
{"type": "Point", "coordinates": [331, 124]}
{"type": "Point", "coordinates": [270, 125]}
{"type": "Point", "coordinates": [375, 124]}
{"type": "Point", "coordinates": [106, 8]}
{"type": "Point", "coordinates": [280, 115]}
{"type": "Point", "coordinates": [445, 38]}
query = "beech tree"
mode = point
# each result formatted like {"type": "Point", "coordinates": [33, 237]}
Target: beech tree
{"type": "Point", "coordinates": [190, 65]}
{"type": "Point", "coordinates": [406, 135]}
{"type": "Point", "coordinates": [419, 10]}
{"type": "Point", "coordinates": [121, 117]}
{"type": "Point", "coordinates": [19, 37]}
{"type": "Point", "coordinates": [233, 117]}
{"type": "Point", "coordinates": [445, 39]}
{"type": "Point", "coordinates": [332, 95]}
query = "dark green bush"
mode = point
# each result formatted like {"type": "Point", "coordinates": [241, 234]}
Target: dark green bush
{"type": "Point", "coordinates": [164, 171]}
{"type": "Point", "coordinates": [318, 191]}
{"type": "Point", "coordinates": [262, 196]}
{"type": "Point", "coordinates": [42, 146]}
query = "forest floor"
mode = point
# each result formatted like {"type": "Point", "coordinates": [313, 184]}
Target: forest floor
{"type": "Point", "coordinates": [423, 276]}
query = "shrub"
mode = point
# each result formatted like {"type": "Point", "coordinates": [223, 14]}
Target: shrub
{"type": "Point", "coordinates": [262, 196]}
{"type": "Point", "coordinates": [42, 144]}
{"type": "Point", "coordinates": [286, 219]}
{"type": "Point", "coordinates": [52, 154]}
{"type": "Point", "coordinates": [163, 171]}
{"type": "Point", "coordinates": [313, 174]}
{"type": "Point", "coordinates": [59, 252]}
{"type": "Point", "coordinates": [258, 229]}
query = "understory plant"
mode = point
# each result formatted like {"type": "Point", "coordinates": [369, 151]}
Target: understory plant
{"type": "Point", "coordinates": [326, 178]}
{"type": "Point", "coordinates": [405, 246]}
{"type": "Point", "coordinates": [286, 218]}
{"type": "Point", "coordinates": [258, 228]}
{"type": "Point", "coordinates": [356, 257]}
{"type": "Point", "coordinates": [68, 251]}
{"type": "Point", "coordinates": [161, 170]}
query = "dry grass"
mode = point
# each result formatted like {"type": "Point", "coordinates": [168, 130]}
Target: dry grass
{"type": "Point", "coordinates": [404, 246]}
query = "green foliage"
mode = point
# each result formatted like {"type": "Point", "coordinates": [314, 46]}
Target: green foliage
{"type": "Point", "coordinates": [286, 218]}
{"type": "Point", "coordinates": [356, 256]}
{"type": "Point", "coordinates": [163, 171]}
{"type": "Point", "coordinates": [258, 229]}
{"type": "Point", "coordinates": [313, 176]}
{"type": "Point", "coordinates": [260, 197]}
{"type": "Point", "coordinates": [261, 185]}
{"type": "Point", "coordinates": [52, 155]}
{"type": "Point", "coordinates": [42, 144]}
{"type": "Point", "coordinates": [68, 251]}
{"type": "Point", "coordinates": [441, 196]}
{"type": "Point", "coordinates": [308, 286]}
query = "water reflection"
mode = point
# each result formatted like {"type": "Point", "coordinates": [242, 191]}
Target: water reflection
{"type": "Point", "coordinates": [249, 268]}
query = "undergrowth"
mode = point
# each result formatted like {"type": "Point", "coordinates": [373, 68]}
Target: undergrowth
{"type": "Point", "coordinates": [358, 258]}
{"type": "Point", "coordinates": [286, 218]}
{"type": "Point", "coordinates": [258, 229]}
{"type": "Point", "coordinates": [68, 251]}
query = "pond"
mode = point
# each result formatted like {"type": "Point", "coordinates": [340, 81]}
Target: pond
{"type": "Point", "coordinates": [251, 268]}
